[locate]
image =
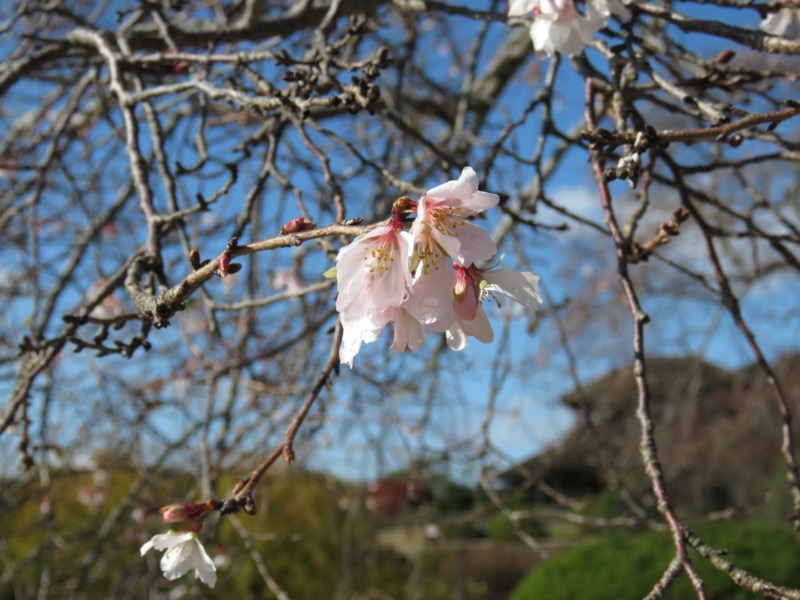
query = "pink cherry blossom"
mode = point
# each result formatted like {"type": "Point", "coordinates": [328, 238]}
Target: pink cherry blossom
{"type": "Point", "coordinates": [441, 227]}
{"type": "Point", "coordinates": [373, 272]}
{"type": "Point", "coordinates": [425, 281]}
{"type": "Point", "coordinates": [558, 27]}
{"type": "Point", "coordinates": [471, 320]}
{"type": "Point", "coordinates": [474, 285]}
{"type": "Point", "coordinates": [441, 233]}
{"type": "Point", "coordinates": [373, 277]}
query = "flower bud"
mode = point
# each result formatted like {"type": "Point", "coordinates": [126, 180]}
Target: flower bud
{"type": "Point", "coordinates": [466, 298]}
{"type": "Point", "coordinates": [297, 225]}
{"type": "Point", "coordinates": [224, 263]}
{"type": "Point", "coordinates": [181, 513]}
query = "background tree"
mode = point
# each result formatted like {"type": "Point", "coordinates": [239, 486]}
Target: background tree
{"type": "Point", "coordinates": [149, 148]}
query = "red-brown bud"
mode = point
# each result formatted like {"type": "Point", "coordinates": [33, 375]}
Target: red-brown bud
{"type": "Point", "coordinates": [298, 224]}
{"type": "Point", "coordinates": [224, 263]}
{"type": "Point", "coordinates": [184, 512]}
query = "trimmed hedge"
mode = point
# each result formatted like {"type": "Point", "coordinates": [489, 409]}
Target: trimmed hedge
{"type": "Point", "coordinates": [627, 566]}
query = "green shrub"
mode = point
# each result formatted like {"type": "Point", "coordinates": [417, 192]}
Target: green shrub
{"type": "Point", "coordinates": [452, 498]}
{"type": "Point", "coordinates": [500, 528]}
{"type": "Point", "coordinates": [627, 566]}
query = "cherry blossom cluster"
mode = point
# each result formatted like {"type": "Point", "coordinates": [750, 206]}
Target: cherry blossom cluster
{"type": "Point", "coordinates": [558, 27]}
{"type": "Point", "coordinates": [183, 550]}
{"type": "Point", "coordinates": [425, 279]}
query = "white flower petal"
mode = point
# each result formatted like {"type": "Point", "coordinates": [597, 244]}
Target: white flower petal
{"type": "Point", "coordinates": [146, 548]}
{"type": "Point", "coordinates": [204, 567]}
{"type": "Point", "coordinates": [599, 11]}
{"type": "Point", "coordinates": [163, 541]}
{"type": "Point", "coordinates": [456, 338]}
{"type": "Point", "coordinates": [480, 328]}
{"type": "Point", "coordinates": [408, 332]}
{"type": "Point", "coordinates": [431, 299]}
{"type": "Point", "coordinates": [518, 8]}
{"type": "Point", "coordinates": [522, 287]}
{"type": "Point", "coordinates": [177, 560]}
{"type": "Point", "coordinates": [776, 23]}
{"type": "Point", "coordinates": [463, 193]}
{"type": "Point", "coordinates": [183, 552]}
{"type": "Point", "coordinates": [463, 187]}
{"type": "Point", "coordinates": [373, 278]}
{"type": "Point", "coordinates": [559, 28]}
{"type": "Point", "coordinates": [472, 245]}
{"type": "Point", "coordinates": [364, 329]}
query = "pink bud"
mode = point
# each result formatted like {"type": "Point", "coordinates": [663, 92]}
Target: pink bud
{"type": "Point", "coordinates": [466, 298]}
{"type": "Point", "coordinates": [296, 225]}
{"type": "Point", "coordinates": [224, 263]}
{"type": "Point", "coordinates": [181, 513]}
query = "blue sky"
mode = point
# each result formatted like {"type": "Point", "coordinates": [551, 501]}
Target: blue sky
{"type": "Point", "coordinates": [572, 265]}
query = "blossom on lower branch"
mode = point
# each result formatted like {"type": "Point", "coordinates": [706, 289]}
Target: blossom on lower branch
{"type": "Point", "coordinates": [183, 552]}
{"type": "Point", "coordinates": [425, 281]}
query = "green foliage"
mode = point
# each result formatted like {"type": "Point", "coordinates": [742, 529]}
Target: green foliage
{"type": "Point", "coordinates": [500, 528]}
{"type": "Point", "coordinates": [627, 566]}
{"type": "Point", "coordinates": [311, 537]}
{"type": "Point", "coordinates": [607, 504]}
{"type": "Point", "coordinates": [297, 531]}
{"type": "Point", "coordinates": [24, 529]}
{"type": "Point", "coordinates": [452, 497]}
{"type": "Point", "coordinates": [778, 501]}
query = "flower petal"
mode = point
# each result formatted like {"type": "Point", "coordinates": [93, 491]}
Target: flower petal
{"type": "Point", "coordinates": [184, 552]}
{"type": "Point", "coordinates": [163, 541]}
{"type": "Point", "coordinates": [522, 287]}
{"type": "Point", "coordinates": [176, 561]}
{"type": "Point", "coordinates": [456, 338]}
{"type": "Point", "coordinates": [463, 192]}
{"type": "Point", "coordinates": [204, 567]}
{"type": "Point", "coordinates": [357, 331]}
{"type": "Point", "coordinates": [464, 186]}
{"type": "Point", "coordinates": [518, 8]}
{"type": "Point", "coordinates": [472, 245]}
{"type": "Point", "coordinates": [480, 328]}
{"type": "Point", "coordinates": [408, 332]}
{"type": "Point", "coordinates": [776, 23]}
{"type": "Point", "coordinates": [431, 299]}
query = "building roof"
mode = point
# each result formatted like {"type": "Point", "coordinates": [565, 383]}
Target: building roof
{"type": "Point", "coordinates": [717, 431]}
